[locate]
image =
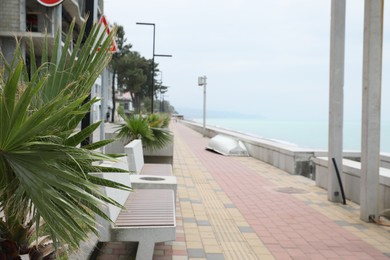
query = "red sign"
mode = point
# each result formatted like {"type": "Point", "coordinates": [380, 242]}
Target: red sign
{"type": "Point", "coordinates": [106, 28]}
{"type": "Point", "coordinates": [50, 3]}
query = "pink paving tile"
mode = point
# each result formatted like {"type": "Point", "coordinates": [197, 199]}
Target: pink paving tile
{"type": "Point", "coordinates": [269, 240]}
{"type": "Point", "coordinates": [179, 252]}
{"type": "Point", "coordinates": [293, 252]}
{"type": "Point", "coordinates": [328, 253]}
{"type": "Point", "coordinates": [287, 244]}
{"type": "Point", "coordinates": [168, 252]}
{"type": "Point", "coordinates": [316, 256]}
{"type": "Point", "coordinates": [318, 245]}
{"type": "Point", "coordinates": [282, 256]}
{"type": "Point", "coordinates": [276, 248]}
{"type": "Point", "coordinates": [307, 249]}
{"type": "Point", "coordinates": [300, 242]}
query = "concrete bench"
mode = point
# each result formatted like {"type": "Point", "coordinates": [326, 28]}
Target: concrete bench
{"type": "Point", "coordinates": [135, 161]}
{"type": "Point", "coordinates": [148, 217]}
{"type": "Point", "coordinates": [154, 180]}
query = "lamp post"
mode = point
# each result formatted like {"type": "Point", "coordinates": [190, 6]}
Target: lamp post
{"type": "Point", "coordinates": [154, 55]}
{"type": "Point", "coordinates": [160, 83]}
{"type": "Point", "coordinates": [202, 82]}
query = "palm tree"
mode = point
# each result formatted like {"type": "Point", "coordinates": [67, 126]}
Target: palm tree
{"type": "Point", "coordinates": [47, 198]}
{"type": "Point", "coordinates": [152, 129]}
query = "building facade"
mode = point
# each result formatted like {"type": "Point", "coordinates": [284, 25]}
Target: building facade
{"type": "Point", "coordinates": [26, 19]}
{"type": "Point", "coordinates": [32, 19]}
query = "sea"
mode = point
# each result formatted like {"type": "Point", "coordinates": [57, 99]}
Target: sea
{"type": "Point", "coordinates": [307, 134]}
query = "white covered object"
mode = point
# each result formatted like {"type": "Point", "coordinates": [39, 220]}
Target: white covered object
{"type": "Point", "coordinates": [227, 146]}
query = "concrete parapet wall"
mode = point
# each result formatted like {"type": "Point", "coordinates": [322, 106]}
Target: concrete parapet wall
{"type": "Point", "coordinates": [163, 155]}
{"type": "Point", "coordinates": [290, 158]}
{"type": "Point", "coordinates": [351, 179]}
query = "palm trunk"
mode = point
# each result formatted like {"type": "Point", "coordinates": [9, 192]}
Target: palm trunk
{"type": "Point", "coordinates": [9, 250]}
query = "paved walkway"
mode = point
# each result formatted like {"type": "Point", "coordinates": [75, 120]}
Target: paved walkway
{"type": "Point", "coordinates": [242, 208]}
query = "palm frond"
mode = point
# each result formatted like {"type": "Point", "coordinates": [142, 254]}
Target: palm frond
{"type": "Point", "coordinates": [150, 129]}
{"type": "Point", "coordinates": [44, 174]}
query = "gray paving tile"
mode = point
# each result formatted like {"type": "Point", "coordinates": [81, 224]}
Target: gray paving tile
{"type": "Point", "coordinates": [246, 229]}
{"type": "Point", "coordinates": [203, 223]}
{"type": "Point", "coordinates": [189, 220]}
{"type": "Point", "coordinates": [196, 201]}
{"type": "Point", "coordinates": [342, 223]}
{"type": "Point", "coordinates": [195, 252]}
{"type": "Point", "coordinates": [215, 256]}
{"type": "Point", "coordinates": [359, 226]}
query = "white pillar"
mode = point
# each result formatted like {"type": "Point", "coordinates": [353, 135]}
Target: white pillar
{"type": "Point", "coordinates": [336, 96]}
{"type": "Point", "coordinates": [204, 106]}
{"type": "Point", "coordinates": [103, 102]}
{"type": "Point", "coordinates": [372, 76]}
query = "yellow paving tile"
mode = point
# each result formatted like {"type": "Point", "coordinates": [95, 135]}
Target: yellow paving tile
{"type": "Point", "coordinates": [193, 238]}
{"type": "Point", "coordinates": [210, 241]}
{"type": "Point", "coordinates": [194, 244]}
{"type": "Point", "coordinates": [212, 249]}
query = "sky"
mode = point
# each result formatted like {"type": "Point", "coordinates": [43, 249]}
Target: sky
{"type": "Point", "coordinates": [267, 59]}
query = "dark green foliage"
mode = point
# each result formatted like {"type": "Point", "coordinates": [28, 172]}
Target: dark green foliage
{"type": "Point", "coordinates": [152, 129]}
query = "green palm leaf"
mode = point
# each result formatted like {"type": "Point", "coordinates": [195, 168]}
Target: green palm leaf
{"type": "Point", "coordinates": [150, 129]}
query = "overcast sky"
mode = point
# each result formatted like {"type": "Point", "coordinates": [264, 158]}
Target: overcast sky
{"type": "Point", "coordinates": [261, 57]}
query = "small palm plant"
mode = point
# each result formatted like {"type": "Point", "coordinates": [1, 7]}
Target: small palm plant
{"type": "Point", "coordinates": [152, 129]}
{"type": "Point", "coordinates": [47, 198]}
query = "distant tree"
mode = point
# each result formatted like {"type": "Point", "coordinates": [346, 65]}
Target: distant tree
{"type": "Point", "coordinates": [123, 50]}
{"type": "Point", "coordinates": [147, 89]}
{"type": "Point", "coordinates": [132, 77]}
{"type": "Point", "coordinates": [134, 74]}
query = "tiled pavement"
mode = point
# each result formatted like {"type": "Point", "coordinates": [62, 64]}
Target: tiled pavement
{"type": "Point", "coordinates": [242, 208]}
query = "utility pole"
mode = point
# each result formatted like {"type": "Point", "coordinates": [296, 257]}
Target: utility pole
{"type": "Point", "coordinates": [202, 82]}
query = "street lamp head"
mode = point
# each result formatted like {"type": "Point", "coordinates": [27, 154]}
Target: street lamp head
{"type": "Point", "coordinates": [202, 81]}
{"type": "Point", "coordinates": [163, 55]}
{"type": "Point", "coordinates": [146, 24]}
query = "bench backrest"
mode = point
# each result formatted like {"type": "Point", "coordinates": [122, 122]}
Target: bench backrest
{"type": "Point", "coordinates": [118, 195]}
{"type": "Point", "coordinates": [135, 156]}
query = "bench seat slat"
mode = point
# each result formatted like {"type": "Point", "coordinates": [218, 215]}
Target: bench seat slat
{"type": "Point", "coordinates": [144, 213]}
{"type": "Point", "coordinates": [166, 216]}
{"type": "Point", "coordinates": [144, 224]}
{"type": "Point", "coordinates": [149, 207]}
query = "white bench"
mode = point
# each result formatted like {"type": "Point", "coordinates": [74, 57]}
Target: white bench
{"type": "Point", "coordinates": [145, 176]}
{"type": "Point", "coordinates": [148, 217]}
{"type": "Point", "coordinates": [148, 175]}
{"type": "Point", "coordinates": [136, 164]}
